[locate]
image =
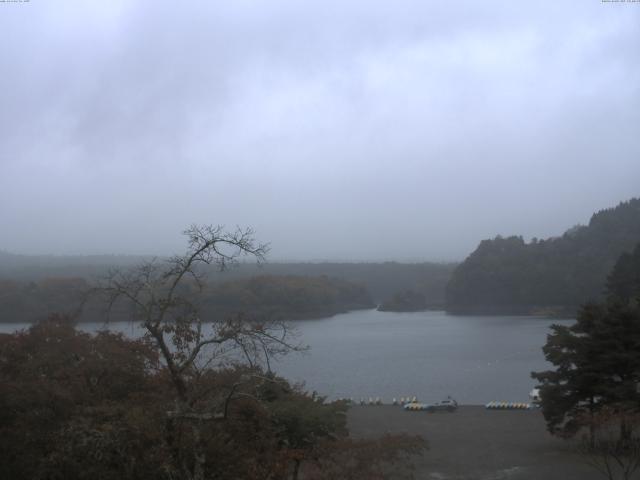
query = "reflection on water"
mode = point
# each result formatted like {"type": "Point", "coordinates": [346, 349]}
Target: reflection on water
{"type": "Point", "coordinates": [475, 359]}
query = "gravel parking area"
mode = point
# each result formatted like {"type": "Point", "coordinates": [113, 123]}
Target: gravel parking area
{"type": "Point", "coordinates": [479, 444]}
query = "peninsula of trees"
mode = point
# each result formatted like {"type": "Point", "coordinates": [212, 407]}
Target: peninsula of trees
{"type": "Point", "coordinates": [287, 297]}
{"type": "Point", "coordinates": [284, 297]}
{"type": "Point", "coordinates": [33, 286]}
{"type": "Point", "coordinates": [381, 279]}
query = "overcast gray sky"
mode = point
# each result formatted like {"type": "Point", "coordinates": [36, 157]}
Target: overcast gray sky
{"type": "Point", "coordinates": [340, 130]}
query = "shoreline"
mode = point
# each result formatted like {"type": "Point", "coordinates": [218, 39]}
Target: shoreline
{"type": "Point", "coordinates": [475, 443]}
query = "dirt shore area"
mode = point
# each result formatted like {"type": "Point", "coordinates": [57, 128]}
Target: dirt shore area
{"type": "Point", "coordinates": [478, 444]}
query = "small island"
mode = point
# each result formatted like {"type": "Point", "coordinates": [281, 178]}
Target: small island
{"type": "Point", "coordinates": [405, 301]}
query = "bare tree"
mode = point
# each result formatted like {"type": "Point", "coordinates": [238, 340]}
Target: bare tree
{"type": "Point", "coordinates": [613, 454]}
{"type": "Point", "coordinates": [164, 299]}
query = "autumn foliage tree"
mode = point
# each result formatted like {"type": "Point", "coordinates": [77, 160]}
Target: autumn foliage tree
{"type": "Point", "coordinates": [69, 404]}
{"type": "Point", "coordinates": [80, 406]}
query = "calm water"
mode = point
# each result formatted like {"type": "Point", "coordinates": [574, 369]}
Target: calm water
{"type": "Point", "coordinates": [428, 354]}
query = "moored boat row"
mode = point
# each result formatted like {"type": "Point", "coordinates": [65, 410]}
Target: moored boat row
{"type": "Point", "coordinates": [379, 401]}
{"type": "Point", "coordinates": [508, 406]}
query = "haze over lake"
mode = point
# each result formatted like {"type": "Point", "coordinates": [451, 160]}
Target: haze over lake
{"type": "Point", "coordinates": [367, 353]}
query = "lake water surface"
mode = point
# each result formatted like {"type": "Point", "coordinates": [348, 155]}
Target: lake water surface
{"type": "Point", "coordinates": [367, 353]}
{"type": "Point", "coordinates": [475, 359]}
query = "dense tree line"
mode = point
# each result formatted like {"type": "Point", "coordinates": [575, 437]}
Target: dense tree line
{"type": "Point", "coordinates": [22, 301]}
{"type": "Point", "coordinates": [382, 280]}
{"type": "Point", "coordinates": [509, 275]}
{"type": "Point", "coordinates": [285, 297]}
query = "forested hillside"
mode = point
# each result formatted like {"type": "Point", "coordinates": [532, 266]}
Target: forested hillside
{"type": "Point", "coordinates": [509, 275]}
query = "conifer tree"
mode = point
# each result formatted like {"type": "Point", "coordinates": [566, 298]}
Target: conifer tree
{"type": "Point", "coordinates": [597, 360]}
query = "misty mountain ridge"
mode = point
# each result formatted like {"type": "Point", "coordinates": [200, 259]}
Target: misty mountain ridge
{"type": "Point", "coordinates": [503, 275]}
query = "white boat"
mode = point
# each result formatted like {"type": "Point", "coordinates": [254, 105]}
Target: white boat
{"type": "Point", "coordinates": [534, 395]}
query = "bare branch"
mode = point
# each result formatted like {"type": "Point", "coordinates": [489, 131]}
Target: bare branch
{"type": "Point", "coordinates": [160, 293]}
